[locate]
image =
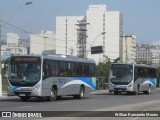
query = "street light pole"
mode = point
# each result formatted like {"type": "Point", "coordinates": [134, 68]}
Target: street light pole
{"type": "Point", "coordinates": [97, 37]}
{"type": "Point", "coordinates": [27, 3]}
{"type": "Point", "coordinates": [45, 44]}
{"type": "Point", "coordinates": [94, 41]}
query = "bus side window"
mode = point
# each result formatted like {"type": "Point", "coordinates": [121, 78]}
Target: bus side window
{"type": "Point", "coordinates": [63, 68]}
{"type": "Point", "coordinates": [46, 70]}
{"type": "Point", "coordinates": [136, 75]}
{"type": "Point", "coordinates": [54, 68]}
{"type": "Point", "coordinates": [91, 70]}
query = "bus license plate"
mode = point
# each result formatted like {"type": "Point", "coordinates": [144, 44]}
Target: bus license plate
{"type": "Point", "coordinates": [22, 95]}
{"type": "Point", "coordinates": [119, 89]}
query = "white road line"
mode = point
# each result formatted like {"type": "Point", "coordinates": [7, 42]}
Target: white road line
{"type": "Point", "coordinates": [24, 107]}
{"type": "Point", "coordinates": [63, 103]}
{"type": "Point", "coordinates": [90, 100]}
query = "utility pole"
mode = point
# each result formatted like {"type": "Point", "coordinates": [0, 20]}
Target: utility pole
{"type": "Point", "coordinates": [45, 37]}
{"type": "Point", "coordinates": [81, 32]}
{"type": "Point", "coordinates": [126, 45]}
{"type": "Point", "coordinates": [0, 65]}
{"type": "Point", "coordinates": [126, 50]}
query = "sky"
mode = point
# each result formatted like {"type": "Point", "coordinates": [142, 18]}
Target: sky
{"type": "Point", "coordinates": [140, 17]}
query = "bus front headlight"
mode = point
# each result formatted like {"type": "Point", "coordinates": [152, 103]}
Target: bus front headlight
{"type": "Point", "coordinates": [36, 88]}
{"type": "Point", "coordinates": [130, 85]}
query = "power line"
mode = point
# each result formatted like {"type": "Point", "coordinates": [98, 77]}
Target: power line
{"type": "Point", "coordinates": [32, 41]}
{"type": "Point", "coordinates": [32, 32]}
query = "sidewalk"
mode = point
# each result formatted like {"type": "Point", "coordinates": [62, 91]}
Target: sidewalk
{"type": "Point", "coordinates": [100, 91]}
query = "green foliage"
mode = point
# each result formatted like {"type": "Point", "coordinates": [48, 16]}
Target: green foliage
{"type": "Point", "coordinates": [102, 69]}
{"type": "Point", "coordinates": [144, 62]}
{"type": "Point", "coordinates": [158, 69]}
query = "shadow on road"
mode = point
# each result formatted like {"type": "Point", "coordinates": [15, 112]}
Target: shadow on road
{"type": "Point", "coordinates": [120, 94]}
{"type": "Point", "coordinates": [39, 99]}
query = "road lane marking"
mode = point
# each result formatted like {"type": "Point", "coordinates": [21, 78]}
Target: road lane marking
{"type": "Point", "coordinates": [63, 103]}
{"type": "Point", "coordinates": [90, 100]}
{"type": "Point", "coordinates": [24, 107]}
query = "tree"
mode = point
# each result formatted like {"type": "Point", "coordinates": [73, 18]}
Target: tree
{"type": "Point", "coordinates": [117, 60]}
{"type": "Point", "coordinates": [102, 73]}
{"type": "Point", "coordinates": [102, 69]}
{"type": "Point", "coordinates": [144, 62]}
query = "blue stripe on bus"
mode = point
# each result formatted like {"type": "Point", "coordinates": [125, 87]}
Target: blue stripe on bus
{"type": "Point", "coordinates": [151, 80]}
{"type": "Point", "coordinates": [89, 80]}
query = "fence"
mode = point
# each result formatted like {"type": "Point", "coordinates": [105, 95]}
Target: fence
{"type": "Point", "coordinates": [102, 83]}
{"type": "Point", "coordinates": [4, 84]}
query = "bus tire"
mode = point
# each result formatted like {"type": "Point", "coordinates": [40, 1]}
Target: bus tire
{"type": "Point", "coordinates": [116, 92]}
{"type": "Point", "coordinates": [24, 99]}
{"type": "Point", "coordinates": [53, 95]}
{"type": "Point", "coordinates": [148, 91]}
{"type": "Point", "coordinates": [129, 93]}
{"type": "Point", "coordinates": [81, 93]}
{"type": "Point", "coordinates": [137, 90]}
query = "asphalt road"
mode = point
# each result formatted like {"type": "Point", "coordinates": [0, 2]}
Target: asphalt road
{"type": "Point", "coordinates": [98, 101]}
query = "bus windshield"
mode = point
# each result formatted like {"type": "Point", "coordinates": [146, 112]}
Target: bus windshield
{"type": "Point", "coordinates": [121, 73]}
{"type": "Point", "coordinates": [24, 71]}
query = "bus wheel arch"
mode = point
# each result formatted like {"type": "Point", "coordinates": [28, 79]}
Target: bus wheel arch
{"type": "Point", "coordinates": [81, 92]}
{"type": "Point", "coordinates": [53, 93]}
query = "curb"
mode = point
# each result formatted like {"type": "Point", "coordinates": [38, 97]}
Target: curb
{"type": "Point", "coordinates": [99, 91]}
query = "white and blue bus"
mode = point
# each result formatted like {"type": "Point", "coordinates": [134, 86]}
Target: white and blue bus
{"type": "Point", "coordinates": [132, 78]}
{"type": "Point", "coordinates": [50, 76]}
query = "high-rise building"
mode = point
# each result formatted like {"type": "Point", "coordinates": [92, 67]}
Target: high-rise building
{"type": "Point", "coordinates": [43, 43]}
{"type": "Point", "coordinates": [103, 21]}
{"type": "Point", "coordinates": [66, 34]}
{"type": "Point", "coordinates": [12, 46]}
{"type": "Point", "coordinates": [75, 35]}
{"type": "Point", "coordinates": [12, 39]}
{"type": "Point", "coordinates": [148, 54]}
{"type": "Point", "coordinates": [143, 54]}
{"type": "Point", "coordinates": [128, 53]}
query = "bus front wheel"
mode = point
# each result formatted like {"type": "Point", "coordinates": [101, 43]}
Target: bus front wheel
{"type": "Point", "coordinates": [53, 95]}
{"type": "Point", "coordinates": [137, 90]}
{"type": "Point", "coordinates": [24, 99]}
{"type": "Point", "coordinates": [148, 91]}
{"type": "Point", "coordinates": [116, 92]}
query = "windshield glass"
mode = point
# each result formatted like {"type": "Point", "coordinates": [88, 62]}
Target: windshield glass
{"type": "Point", "coordinates": [24, 71]}
{"type": "Point", "coordinates": [121, 73]}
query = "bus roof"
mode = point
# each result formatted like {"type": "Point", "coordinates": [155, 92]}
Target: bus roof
{"type": "Point", "coordinates": [137, 65]}
{"type": "Point", "coordinates": [59, 57]}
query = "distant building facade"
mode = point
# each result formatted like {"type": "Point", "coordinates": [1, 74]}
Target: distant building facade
{"type": "Point", "coordinates": [148, 53]}
{"type": "Point", "coordinates": [128, 53]}
{"type": "Point", "coordinates": [13, 46]}
{"type": "Point", "coordinates": [12, 39]}
{"type": "Point", "coordinates": [143, 53]}
{"type": "Point", "coordinates": [66, 34]}
{"type": "Point", "coordinates": [43, 43]}
{"type": "Point", "coordinates": [75, 35]}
